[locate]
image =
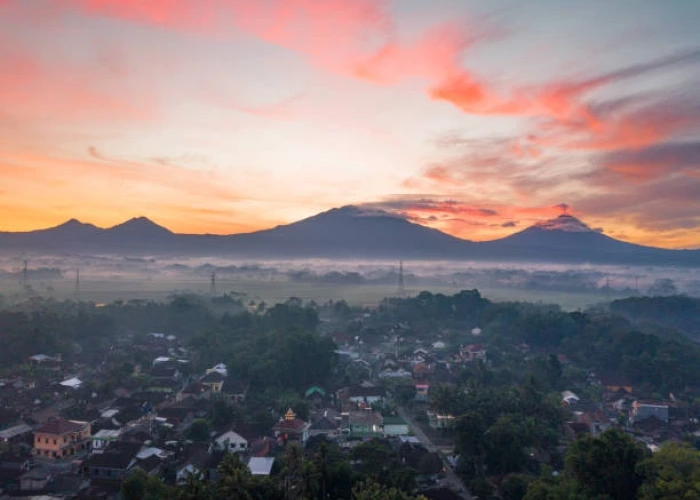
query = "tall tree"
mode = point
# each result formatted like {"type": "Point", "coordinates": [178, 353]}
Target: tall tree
{"type": "Point", "coordinates": [606, 465]}
{"type": "Point", "coordinates": [672, 473]}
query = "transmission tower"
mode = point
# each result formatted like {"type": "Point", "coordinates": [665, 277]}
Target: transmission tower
{"type": "Point", "coordinates": [77, 282]}
{"type": "Point", "coordinates": [402, 289]}
{"type": "Point", "coordinates": [212, 287]}
{"type": "Point", "coordinates": [25, 273]}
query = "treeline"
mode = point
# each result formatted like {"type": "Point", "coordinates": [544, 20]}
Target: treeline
{"type": "Point", "coordinates": [325, 473]}
{"type": "Point", "coordinates": [83, 331]}
{"type": "Point", "coordinates": [678, 311]}
{"type": "Point", "coordinates": [613, 466]}
{"type": "Point", "coordinates": [499, 430]}
{"type": "Point", "coordinates": [69, 330]}
{"type": "Point", "coordinates": [654, 361]}
{"type": "Point", "coordinates": [276, 350]}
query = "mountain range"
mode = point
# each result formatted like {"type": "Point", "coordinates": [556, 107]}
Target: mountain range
{"type": "Point", "coordinates": [350, 233]}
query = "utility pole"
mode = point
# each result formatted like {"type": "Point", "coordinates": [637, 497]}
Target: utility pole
{"type": "Point", "coordinates": [402, 289]}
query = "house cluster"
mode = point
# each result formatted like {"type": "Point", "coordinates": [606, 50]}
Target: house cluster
{"type": "Point", "coordinates": [397, 361]}
{"type": "Point", "coordinates": [393, 360]}
{"type": "Point", "coordinates": [61, 436]}
{"type": "Point", "coordinates": [651, 422]}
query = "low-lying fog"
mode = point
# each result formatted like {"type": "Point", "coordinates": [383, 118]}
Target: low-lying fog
{"type": "Point", "coordinates": [57, 275]}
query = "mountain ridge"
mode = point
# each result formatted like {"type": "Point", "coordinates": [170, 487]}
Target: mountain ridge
{"type": "Point", "coordinates": [352, 232]}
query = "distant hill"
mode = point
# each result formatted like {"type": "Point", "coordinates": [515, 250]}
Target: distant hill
{"type": "Point", "coordinates": [351, 233]}
{"type": "Point", "coordinates": [679, 312]}
{"type": "Point", "coordinates": [567, 239]}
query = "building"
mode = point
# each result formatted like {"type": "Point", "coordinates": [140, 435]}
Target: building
{"type": "Point", "coordinates": [261, 466]}
{"type": "Point", "coordinates": [231, 441]}
{"type": "Point", "coordinates": [214, 381]}
{"type": "Point", "coordinates": [440, 421]}
{"type": "Point", "coordinates": [61, 438]}
{"type": "Point", "coordinates": [103, 438]}
{"type": "Point", "coordinates": [365, 423]}
{"type": "Point", "coordinates": [14, 433]}
{"type": "Point", "coordinates": [194, 390]}
{"type": "Point", "coordinates": [366, 394]}
{"type": "Point", "coordinates": [395, 426]}
{"type": "Point", "coordinates": [422, 389]}
{"type": "Point", "coordinates": [292, 429]}
{"type": "Point", "coordinates": [615, 383]}
{"type": "Point", "coordinates": [568, 397]}
{"type": "Point", "coordinates": [111, 466]}
{"type": "Point", "coordinates": [642, 410]}
{"type": "Point", "coordinates": [473, 352]}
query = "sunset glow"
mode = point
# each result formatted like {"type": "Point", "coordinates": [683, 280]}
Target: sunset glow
{"type": "Point", "coordinates": [475, 117]}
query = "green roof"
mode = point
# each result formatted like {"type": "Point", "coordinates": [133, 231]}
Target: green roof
{"type": "Point", "coordinates": [313, 389]}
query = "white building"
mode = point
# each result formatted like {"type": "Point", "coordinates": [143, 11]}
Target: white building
{"type": "Point", "coordinates": [101, 440]}
{"type": "Point", "coordinates": [261, 466]}
{"type": "Point", "coordinates": [231, 441]}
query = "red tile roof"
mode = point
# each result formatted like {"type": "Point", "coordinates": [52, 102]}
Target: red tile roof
{"type": "Point", "coordinates": [60, 426]}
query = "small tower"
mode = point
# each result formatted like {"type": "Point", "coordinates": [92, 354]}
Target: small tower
{"type": "Point", "coordinates": [212, 287]}
{"type": "Point", "coordinates": [402, 289]}
{"type": "Point", "coordinates": [77, 282]}
{"type": "Point", "coordinates": [25, 273]}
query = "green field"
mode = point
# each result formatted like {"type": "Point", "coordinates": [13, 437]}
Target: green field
{"type": "Point", "coordinates": [108, 290]}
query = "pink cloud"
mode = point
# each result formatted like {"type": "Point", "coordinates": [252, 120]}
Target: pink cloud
{"type": "Point", "coordinates": [32, 88]}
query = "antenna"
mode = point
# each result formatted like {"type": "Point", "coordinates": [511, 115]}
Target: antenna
{"type": "Point", "coordinates": [402, 289]}
{"type": "Point", "coordinates": [212, 288]}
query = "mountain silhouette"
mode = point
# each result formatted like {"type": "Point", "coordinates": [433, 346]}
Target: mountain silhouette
{"type": "Point", "coordinates": [568, 239]}
{"type": "Point", "coordinates": [352, 233]}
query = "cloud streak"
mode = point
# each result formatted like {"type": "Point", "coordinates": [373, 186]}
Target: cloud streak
{"type": "Point", "coordinates": [462, 217]}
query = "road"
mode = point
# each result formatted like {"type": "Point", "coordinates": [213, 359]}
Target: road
{"type": "Point", "coordinates": [450, 474]}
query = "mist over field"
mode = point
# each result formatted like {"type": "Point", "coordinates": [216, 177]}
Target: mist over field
{"type": "Point", "coordinates": [106, 278]}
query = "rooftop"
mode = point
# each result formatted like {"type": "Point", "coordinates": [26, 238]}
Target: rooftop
{"type": "Point", "coordinates": [61, 426]}
{"type": "Point", "coordinates": [261, 466]}
{"type": "Point", "coordinates": [213, 378]}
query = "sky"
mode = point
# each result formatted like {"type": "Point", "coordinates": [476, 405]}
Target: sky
{"type": "Point", "coordinates": [476, 117]}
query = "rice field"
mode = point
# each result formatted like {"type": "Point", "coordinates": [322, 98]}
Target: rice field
{"type": "Point", "coordinates": [108, 290]}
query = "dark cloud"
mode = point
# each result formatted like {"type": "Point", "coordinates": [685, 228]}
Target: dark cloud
{"type": "Point", "coordinates": [430, 205]}
{"type": "Point", "coordinates": [654, 162]}
{"type": "Point", "coordinates": [510, 223]}
{"type": "Point", "coordinates": [666, 62]}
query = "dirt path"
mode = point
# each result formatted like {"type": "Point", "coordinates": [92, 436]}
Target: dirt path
{"type": "Point", "coordinates": [451, 475]}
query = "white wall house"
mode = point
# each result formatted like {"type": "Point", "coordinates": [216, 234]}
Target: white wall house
{"type": "Point", "coordinates": [231, 441]}
{"type": "Point", "coordinates": [101, 440]}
